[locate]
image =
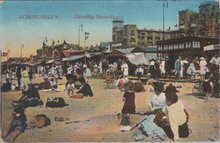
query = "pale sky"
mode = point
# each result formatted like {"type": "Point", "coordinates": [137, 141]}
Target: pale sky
{"type": "Point", "coordinates": [66, 16]}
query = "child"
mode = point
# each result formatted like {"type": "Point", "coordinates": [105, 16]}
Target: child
{"type": "Point", "coordinates": [40, 121]}
{"type": "Point", "coordinates": [70, 87]}
{"type": "Point", "coordinates": [129, 106]}
{"type": "Point", "coordinates": [15, 126]}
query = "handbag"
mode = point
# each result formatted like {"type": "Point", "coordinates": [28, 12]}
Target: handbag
{"type": "Point", "coordinates": [160, 119]}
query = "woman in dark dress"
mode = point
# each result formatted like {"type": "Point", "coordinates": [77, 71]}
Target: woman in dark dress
{"type": "Point", "coordinates": [129, 101]}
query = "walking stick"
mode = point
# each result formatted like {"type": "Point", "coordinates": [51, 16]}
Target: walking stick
{"type": "Point", "coordinates": [148, 113]}
{"type": "Point", "coordinates": [138, 124]}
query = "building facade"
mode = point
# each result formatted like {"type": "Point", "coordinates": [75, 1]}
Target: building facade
{"type": "Point", "coordinates": [55, 51]}
{"type": "Point", "coordinates": [209, 19]}
{"type": "Point", "coordinates": [117, 31]}
{"type": "Point", "coordinates": [188, 23]}
{"type": "Point", "coordinates": [149, 38]}
{"type": "Point", "coordinates": [130, 36]}
{"type": "Point", "coordinates": [205, 23]}
{"type": "Point", "coordinates": [186, 47]}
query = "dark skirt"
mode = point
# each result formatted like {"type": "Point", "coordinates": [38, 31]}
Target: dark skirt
{"type": "Point", "coordinates": [129, 105]}
{"type": "Point", "coordinates": [183, 131]}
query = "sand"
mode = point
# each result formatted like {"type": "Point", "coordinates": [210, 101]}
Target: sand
{"type": "Point", "coordinates": [96, 117]}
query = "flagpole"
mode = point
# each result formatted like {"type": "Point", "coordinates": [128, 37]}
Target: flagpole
{"type": "Point", "coordinates": [163, 22]}
{"type": "Point", "coordinates": [79, 36]}
{"type": "Point", "coordinates": [80, 26]}
{"type": "Point", "coordinates": [85, 45]}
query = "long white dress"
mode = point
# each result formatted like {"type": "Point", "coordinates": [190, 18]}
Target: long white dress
{"type": "Point", "coordinates": [124, 68]}
{"type": "Point", "coordinates": [162, 67]}
{"type": "Point", "coordinates": [203, 67]}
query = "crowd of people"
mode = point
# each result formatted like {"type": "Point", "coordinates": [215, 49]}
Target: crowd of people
{"type": "Point", "coordinates": [182, 67]}
{"type": "Point", "coordinates": [166, 117]}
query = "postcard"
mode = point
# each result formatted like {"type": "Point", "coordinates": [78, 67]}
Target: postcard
{"type": "Point", "coordinates": [109, 70]}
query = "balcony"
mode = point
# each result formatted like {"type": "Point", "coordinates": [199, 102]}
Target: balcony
{"type": "Point", "coordinates": [182, 27]}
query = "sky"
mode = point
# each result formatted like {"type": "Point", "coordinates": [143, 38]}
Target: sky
{"type": "Point", "coordinates": [29, 22]}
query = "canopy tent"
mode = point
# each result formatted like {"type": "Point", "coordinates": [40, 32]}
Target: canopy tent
{"type": "Point", "coordinates": [144, 50]}
{"type": "Point", "coordinates": [28, 64]}
{"type": "Point", "coordinates": [140, 58]}
{"type": "Point", "coordinates": [95, 54]}
{"type": "Point", "coordinates": [53, 62]}
{"type": "Point", "coordinates": [119, 53]}
{"type": "Point", "coordinates": [73, 58]}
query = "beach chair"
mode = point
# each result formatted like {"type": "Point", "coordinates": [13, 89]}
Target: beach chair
{"type": "Point", "coordinates": [110, 83]}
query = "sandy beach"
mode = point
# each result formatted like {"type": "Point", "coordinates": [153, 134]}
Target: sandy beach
{"type": "Point", "coordinates": [94, 119]}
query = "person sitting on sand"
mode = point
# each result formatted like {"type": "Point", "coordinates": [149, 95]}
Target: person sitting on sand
{"type": "Point", "coordinates": [17, 124]}
{"type": "Point", "coordinates": [157, 104]}
{"type": "Point", "coordinates": [45, 84]}
{"type": "Point", "coordinates": [177, 115]}
{"type": "Point", "coordinates": [53, 83]}
{"type": "Point", "coordinates": [39, 121]}
{"type": "Point", "coordinates": [85, 89]}
{"type": "Point", "coordinates": [6, 86]}
{"type": "Point", "coordinates": [30, 98]}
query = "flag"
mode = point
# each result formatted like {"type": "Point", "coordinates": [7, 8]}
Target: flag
{"type": "Point", "coordinates": [86, 35]}
{"type": "Point", "coordinates": [165, 4]}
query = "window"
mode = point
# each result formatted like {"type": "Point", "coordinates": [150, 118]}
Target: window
{"type": "Point", "coordinates": [165, 47]}
{"type": "Point", "coordinates": [175, 46]}
{"type": "Point", "coordinates": [188, 44]}
{"type": "Point", "coordinates": [181, 45]}
{"type": "Point", "coordinates": [158, 35]}
{"type": "Point", "coordinates": [196, 44]}
{"type": "Point", "coordinates": [169, 47]}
